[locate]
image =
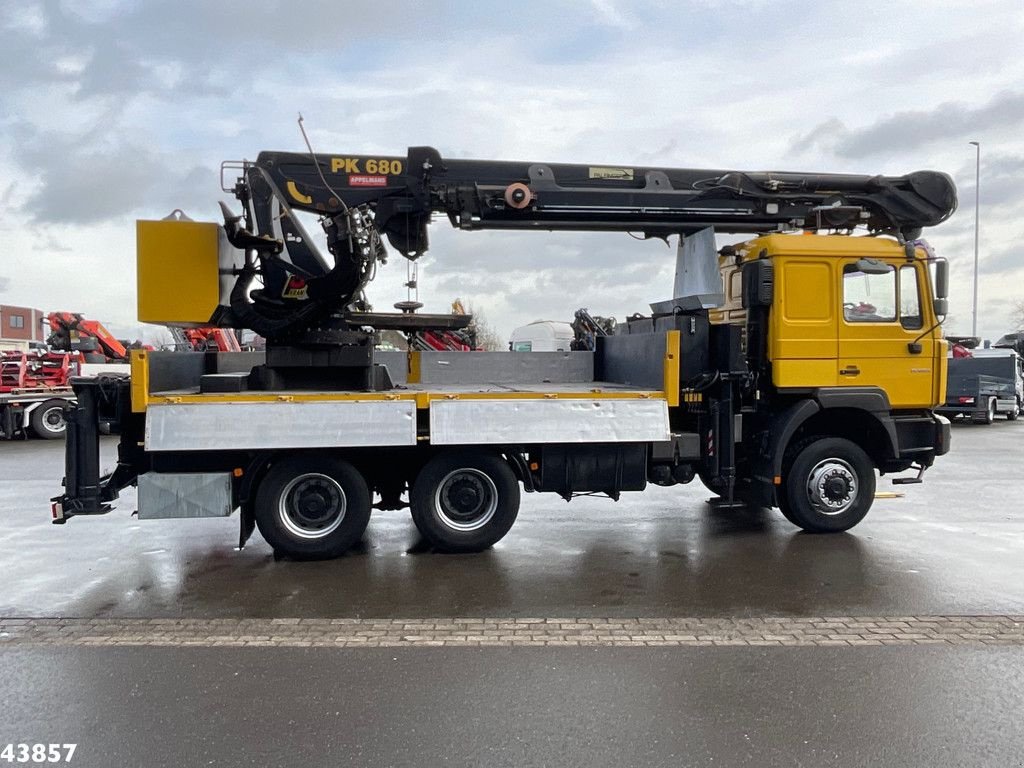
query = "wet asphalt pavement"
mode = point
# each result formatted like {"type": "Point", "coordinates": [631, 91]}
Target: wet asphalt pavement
{"type": "Point", "coordinates": [954, 545]}
{"type": "Point", "coordinates": [887, 707]}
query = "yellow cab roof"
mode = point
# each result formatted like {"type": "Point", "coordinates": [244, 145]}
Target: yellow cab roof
{"type": "Point", "coordinates": [839, 246]}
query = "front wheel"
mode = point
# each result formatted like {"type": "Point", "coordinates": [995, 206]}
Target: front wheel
{"type": "Point", "coordinates": [464, 502]}
{"type": "Point", "coordinates": [1014, 413]}
{"type": "Point", "coordinates": [312, 507]}
{"type": "Point", "coordinates": [829, 487]}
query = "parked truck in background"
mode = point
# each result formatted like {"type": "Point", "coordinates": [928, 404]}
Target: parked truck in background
{"type": "Point", "coordinates": [987, 384]}
{"type": "Point", "coordinates": [784, 370]}
{"type": "Point", "coordinates": [35, 381]}
{"type": "Point", "coordinates": [34, 388]}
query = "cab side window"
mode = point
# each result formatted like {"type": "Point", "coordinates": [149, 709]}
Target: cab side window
{"type": "Point", "coordinates": [910, 299]}
{"type": "Point", "coordinates": [869, 298]}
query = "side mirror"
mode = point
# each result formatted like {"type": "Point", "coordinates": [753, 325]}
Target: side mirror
{"type": "Point", "coordinates": [941, 307]}
{"type": "Point", "coordinates": [873, 267]}
{"type": "Point", "coordinates": [941, 280]}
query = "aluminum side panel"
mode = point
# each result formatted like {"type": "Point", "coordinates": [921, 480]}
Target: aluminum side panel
{"type": "Point", "coordinates": [263, 425]}
{"type": "Point", "coordinates": [489, 422]}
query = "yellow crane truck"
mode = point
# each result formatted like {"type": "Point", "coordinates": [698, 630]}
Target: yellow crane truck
{"type": "Point", "coordinates": [782, 371]}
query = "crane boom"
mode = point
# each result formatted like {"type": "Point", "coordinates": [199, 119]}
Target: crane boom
{"type": "Point", "coordinates": [482, 194]}
{"type": "Point", "coordinates": [363, 198]}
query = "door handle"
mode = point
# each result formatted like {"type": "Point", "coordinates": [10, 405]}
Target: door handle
{"type": "Point", "coordinates": [850, 370]}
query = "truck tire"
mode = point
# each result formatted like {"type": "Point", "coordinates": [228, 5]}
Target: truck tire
{"type": "Point", "coordinates": [312, 507]}
{"type": "Point", "coordinates": [47, 421]}
{"type": "Point", "coordinates": [988, 415]}
{"type": "Point", "coordinates": [465, 501]}
{"type": "Point", "coordinates": [783, 503]}
{"type": "Point", "coordinates": [829, 487]}
{"type": "Point", "coordinates": [1014, 413]}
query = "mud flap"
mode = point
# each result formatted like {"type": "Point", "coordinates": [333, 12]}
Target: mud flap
{"type": "Point", "coordinates": [247, 523]}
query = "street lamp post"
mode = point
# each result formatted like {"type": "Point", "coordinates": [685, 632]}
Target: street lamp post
{"type": "Point", "coordinates": [977, 218]}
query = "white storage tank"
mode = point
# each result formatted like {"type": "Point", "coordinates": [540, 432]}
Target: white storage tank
{"type": "Point", "coordinates": [542, 336]}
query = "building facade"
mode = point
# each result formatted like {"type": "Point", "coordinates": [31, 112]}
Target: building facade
{"type": "Point", "coordinates": [21, 323]}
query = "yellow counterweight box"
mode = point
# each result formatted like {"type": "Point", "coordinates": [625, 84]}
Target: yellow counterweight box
{"type": "Point", "coordinates": [178, 271]}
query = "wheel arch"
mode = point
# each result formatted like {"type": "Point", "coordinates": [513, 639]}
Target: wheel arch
{"type": "Point", "coordinates": [862, 416]}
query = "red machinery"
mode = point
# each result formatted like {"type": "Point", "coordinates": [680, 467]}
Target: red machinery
{"type": "Point", "coordinates": [34, 370]}
{"type": "Point", "coordinates": [205, 338]}
{"type": "Point", "coordinates": [34, 388]}
{"type": "Point", "coordinates": [73, 333]}
{"type": "Point", "coordinates": [439, 340]}
{"type": "Point", "coordinates": [442, 341]}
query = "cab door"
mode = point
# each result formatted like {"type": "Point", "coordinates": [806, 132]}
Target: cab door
{"type": "Point", "coordinates": [880, 333]}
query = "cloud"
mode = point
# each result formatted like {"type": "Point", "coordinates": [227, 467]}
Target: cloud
{"type": "Point", "coordinates": [1003, 259]}
{"type": "Point", "coordinates": [87, 179]}
{"type": "Point", "coordinates": [5, 283]}
{"type": "Point", "coordinates": [609, 13]}
{"type": "Point", "coordinates": [118, 109]}
{"type": "Point", "coordinates": [910, 129]}
{"type": "Point", "coordinates": [1002, 182]}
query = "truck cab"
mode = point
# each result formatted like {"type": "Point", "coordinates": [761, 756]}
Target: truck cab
{"type": "Point", "coordinates": [834, 324]}
{"type": "Point", "coordinates": [845, 334]}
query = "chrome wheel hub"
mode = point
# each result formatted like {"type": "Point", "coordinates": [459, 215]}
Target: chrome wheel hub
{"type": "Point", "coordinates": [832, 487]}
{"type": "Point", "coordinates": [54, 419]}
{"type": "Point", "coordinates": [466, 500]}
{"type": "Point", "coordinates": [311, 506]}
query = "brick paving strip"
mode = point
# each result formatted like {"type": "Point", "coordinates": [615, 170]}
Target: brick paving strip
{"type": "Point", "coordinates": [363, 633]}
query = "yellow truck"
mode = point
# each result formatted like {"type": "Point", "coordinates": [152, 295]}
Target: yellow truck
{"type": "Point", "coordinates": [785, 371]}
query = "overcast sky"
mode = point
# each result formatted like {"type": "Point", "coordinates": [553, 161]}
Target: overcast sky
{"type": "Point", "coordinates": [112, 111]}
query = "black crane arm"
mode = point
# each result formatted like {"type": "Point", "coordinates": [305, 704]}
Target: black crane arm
{"type": "Point", "coordinates": [363, 197]}
{"type": "Point", "coordinates": [484, 194]}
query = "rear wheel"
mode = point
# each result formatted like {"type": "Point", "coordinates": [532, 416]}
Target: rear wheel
{"type": "Point", "coordinates": [47, 421]}
{"type": "Point", "coordinates": [465, 502]}
{"type": "Point", "coordinates": [829, 487]}
{"type": "Point", "coordinates": [989, 415]}
{"type": "Point", "coordinates": [312, 507]}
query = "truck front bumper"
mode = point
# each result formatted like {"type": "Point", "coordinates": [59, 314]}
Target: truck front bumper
{"type": "Point", "coordinates": [942, 435]}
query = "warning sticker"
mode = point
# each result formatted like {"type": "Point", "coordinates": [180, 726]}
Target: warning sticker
{"type": "Point", "coordinates": [600, 172]}
{"type": "Point", "coordinates": [365, 180]}
{"type": "Point", "coordinates": [295, 288]}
